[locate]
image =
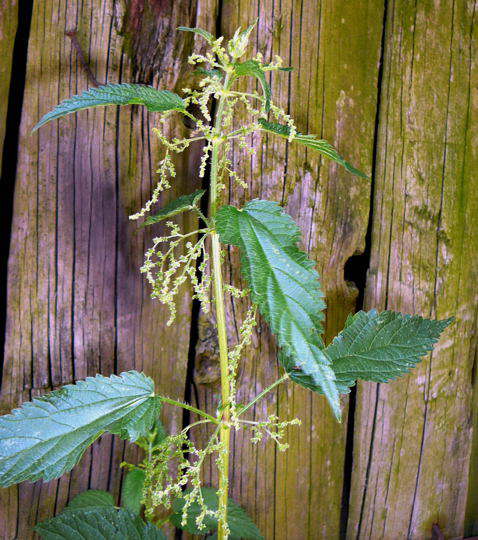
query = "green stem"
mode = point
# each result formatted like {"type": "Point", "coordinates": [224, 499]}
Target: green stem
{"type": "Point", "coordinates": [263, 393]}
{"type": "Point", "coordinates": [190, 408]}
{"type": "Point", "coordinates": [225, 430]}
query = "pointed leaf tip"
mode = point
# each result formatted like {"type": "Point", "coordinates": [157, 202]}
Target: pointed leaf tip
{"type": "Point", "coordinates": [199, 31]}
{"type": "Point", "coordinates": [91, 498]}
{"type": "Point", "coordinates": [116, 94]}
{"type": "Point", "coordinates": [311, 141]}
{"type": "Point", "coordinates": [373, 346]}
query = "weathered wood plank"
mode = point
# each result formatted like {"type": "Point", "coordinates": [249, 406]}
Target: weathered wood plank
{"type": "Point", "coordinates": [470, 166]}
{"type": "Point", "coordinates": [76, 302]}
{"type": "Point", "coordinates": [8, 29]}
{"type": "Point", "coordinates": [412, 437]}
{"type": "Point", "coordinates": [335, 55]}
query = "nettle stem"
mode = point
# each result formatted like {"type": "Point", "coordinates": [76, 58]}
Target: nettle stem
{"type": "Point", "coordinates": [225, 430]}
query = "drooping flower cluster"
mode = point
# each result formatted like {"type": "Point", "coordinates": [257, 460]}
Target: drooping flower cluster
{"type": "Point", "coordinates": [162, 485]}
{"type": "Point", "coordinates": [274, 428]}
{"type": "Point", "coordinates": [165, 171]}
{"type": "Point", "coordinates": [167, 270]}
{"type": "Point", "coordinates": [234, 354]}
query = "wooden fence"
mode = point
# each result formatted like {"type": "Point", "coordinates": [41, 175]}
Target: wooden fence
{"type": "Point", "coordinates": [394, 85]}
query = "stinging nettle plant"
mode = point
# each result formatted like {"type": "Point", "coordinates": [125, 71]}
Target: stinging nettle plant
{"type": "Point", "coordinates": [45, 438]}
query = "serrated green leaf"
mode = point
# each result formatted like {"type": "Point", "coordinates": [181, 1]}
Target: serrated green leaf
{"type": "Point", "coordinates": [46, 437]}
{"type": "Point", "coordinates": [238, 43]}
{"type": "Point", "coordinates": [240, 524]}
{"type": "Point", "coordinates": [283, 284]}
{"type": "Point", "coordinates": [117, 94]}
{"type": "Point", "coordinates": [99, 523]}
{"type": "Point", "coordinates": [382, 346]}
{"type": "Point", "coordinates": [254, 69]}
{"type": "Point", "coordinates": [92, 498]}
{"type": "Point", "coordinates": [204, 33]}
{"type": "Point", "coordinates": [244, 34]}
{"type": "Point", "coordinates": [181, 204]}
{"type": "Point", "coordinates": [311, 141]}
{"type": "Point", "coordinates": [376, 347]}
{"type": "Point", "coordinates": [132, 491]}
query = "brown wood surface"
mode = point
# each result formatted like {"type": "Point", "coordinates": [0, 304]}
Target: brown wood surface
{"type": "Point", "coordinates": [412, 437]}
{"type": "Point", "coordinates": [395, 80]}
{"type": "Point", "coordinates": [8, 28]}
{"type": "Point", "coordinates": [76, 301]}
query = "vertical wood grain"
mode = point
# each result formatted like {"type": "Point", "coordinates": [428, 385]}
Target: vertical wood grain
{"type": "Point", "coordinates": [77, 303]}
{"type": "Point", "coordinates": [412, 437]}
{"type": "Point", "coordinates": [8, 29]}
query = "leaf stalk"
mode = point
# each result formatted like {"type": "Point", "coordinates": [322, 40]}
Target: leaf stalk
{"type": "Point", "coordinates": [190, 408]}
{"type": "Point", "coordinates": [263, 393]}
